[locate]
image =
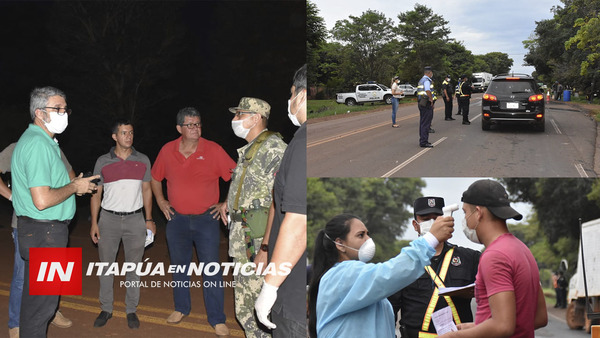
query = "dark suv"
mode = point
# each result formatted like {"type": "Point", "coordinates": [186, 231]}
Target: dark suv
{"type": "Point", "coordinates": [513, 97]}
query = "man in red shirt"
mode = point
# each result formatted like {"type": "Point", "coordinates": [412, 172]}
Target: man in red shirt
{"type": "Point", "coordinates": [510, 302]}
{"type": "Point", "coordinates": [192, 167]}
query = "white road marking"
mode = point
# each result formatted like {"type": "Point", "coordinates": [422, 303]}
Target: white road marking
{"type": "Point", "coordinates": [407, 162]}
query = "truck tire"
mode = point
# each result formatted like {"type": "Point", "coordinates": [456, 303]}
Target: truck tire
{"type": "Point", "coordinates": [350, 102]}
{"type": "Point", "coordinates": [574, 317]}
{"type": "Point", "coordinates": [388, 99]}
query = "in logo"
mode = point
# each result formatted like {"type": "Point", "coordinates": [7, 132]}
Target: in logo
{"type": "Point", "coordinates": [55, 271]}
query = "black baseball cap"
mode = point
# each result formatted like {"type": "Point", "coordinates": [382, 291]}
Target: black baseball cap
{"type": "Point", "coordinates": [428, 205]}
{"type": "Point", "coordinates": [493, 196]}
{"type": "Point", "coordinates": [428, 68]}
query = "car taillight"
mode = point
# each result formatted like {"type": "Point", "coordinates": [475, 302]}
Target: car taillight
{"type": "Point", "coordinates": [535, 98]}
{"type": "Point", "coordinates": [513, 78]}
{"type": "Point", "coordinates": [490, 97]}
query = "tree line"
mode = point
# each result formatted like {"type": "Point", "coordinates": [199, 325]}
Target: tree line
{"type": "Point", "coordinates": [370, 47]}
{"type": "Point", "coordinates": [566, 47]}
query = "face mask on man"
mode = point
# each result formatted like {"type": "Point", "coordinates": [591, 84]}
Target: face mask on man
{"type": "Point", "coordinates": [425, 226]}
{"type": "Point", "coordinates": [238, 128]}
{"type": "Point", "coordinates": [291, 116]}
{"type": "Point", "coordinates": [58, 123]}
{"type": "Point", "coordinates": [470, 233]}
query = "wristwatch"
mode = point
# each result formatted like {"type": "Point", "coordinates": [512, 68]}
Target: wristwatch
{"type": "Point", "coordinates": [264, 247]}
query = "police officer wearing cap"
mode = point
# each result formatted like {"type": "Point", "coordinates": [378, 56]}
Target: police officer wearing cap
{"type": "Point", "coordinates": [426, 98]}
{"type": "Point", "coordinates": [464, 97]}
{"type": "Point", "coordinates": [451, 266]}
{"type": "Point", "coordinates": [447, 93]}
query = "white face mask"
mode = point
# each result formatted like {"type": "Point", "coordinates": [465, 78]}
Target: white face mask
{"type": "Point", "coordinates": [366, 250]}
{"type": "Point", "coordinates": [57, 123]}
{"type": "Point", "coordinates": [293, 117]}
{"type": "Point", "coordinates": [238, 128]}
{"type": "Point", "coordinates": [425, 226]}
{"type": "Point", "coordinates": [470, 233]}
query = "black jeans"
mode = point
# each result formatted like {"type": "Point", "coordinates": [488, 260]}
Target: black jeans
{"type": "Point", "coordinates": [448, 104]}
{"type": "Point", "coordinates": [463, 104]}
{"type": "Point", "coordinates": [36, 311]}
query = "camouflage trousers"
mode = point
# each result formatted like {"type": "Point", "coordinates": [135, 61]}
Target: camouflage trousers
{"type": "Point", "coordinates": [247, 288]}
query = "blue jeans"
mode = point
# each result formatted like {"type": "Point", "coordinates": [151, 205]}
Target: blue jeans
{"type": "Point", "coordinates": [16, 285]}
{"type": "Point", "coordinates": [394, 109]}
{"type": "Point", "coordinates": [183, 232]}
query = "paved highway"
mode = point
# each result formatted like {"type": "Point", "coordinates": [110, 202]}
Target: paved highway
{"type": "Point", "coordinates": [367, 146]}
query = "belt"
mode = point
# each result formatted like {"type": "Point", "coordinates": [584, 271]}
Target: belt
{"type": "Point", "coordinates": [123, 213]}
{"type": "Point", "coordinates": [29, 219]}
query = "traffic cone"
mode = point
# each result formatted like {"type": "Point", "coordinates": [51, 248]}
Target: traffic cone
{"type": "Point", "coordinates": [548, 97]}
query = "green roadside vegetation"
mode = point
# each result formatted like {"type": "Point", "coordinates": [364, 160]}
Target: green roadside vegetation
{"type": "Point", "coordinates": [592, 108]}
{"type": "Point", "coordinates": [322, 108]}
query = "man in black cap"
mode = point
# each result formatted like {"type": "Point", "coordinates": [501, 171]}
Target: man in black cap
{"type": "Point", "coordinates": [451, 266]}
{"type": "Point", "coordinates": [464, 98]}
{"type": "Point", "coordinates": [508, 281]}
{"type": "Point", "coordinates": [447, 93]}
{"type": "Point", "coordinates": [426, 98]}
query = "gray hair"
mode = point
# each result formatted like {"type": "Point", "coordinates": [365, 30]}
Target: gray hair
{"type": "Point", "coordinates": [40, 96]}
{"type": "Point", "coordinates": [300, 79]}
{"type": "Point", "coordinates": [187, 111]}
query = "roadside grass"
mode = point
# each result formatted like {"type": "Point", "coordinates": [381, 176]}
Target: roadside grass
{"type": "Point", "coordinates": [322, 108]}
{"type": "Point", "coordinates": [592, 108]}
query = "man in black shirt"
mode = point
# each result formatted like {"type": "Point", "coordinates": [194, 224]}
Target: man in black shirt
{"type": "Point", "coordinates": [451, 266]}
{"type": "Point", "coordinates": [447, 93]}
{"type": "Point", "coordinates": [464, 99]}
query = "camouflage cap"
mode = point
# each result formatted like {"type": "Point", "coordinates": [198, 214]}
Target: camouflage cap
{"type": "Point", "coordinates": [254, 105]}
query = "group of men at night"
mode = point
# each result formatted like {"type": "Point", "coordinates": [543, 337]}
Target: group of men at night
{"type": "Point", "coordinates": [265, 211]}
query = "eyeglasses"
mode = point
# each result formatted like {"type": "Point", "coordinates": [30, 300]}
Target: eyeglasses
{"type": "Point", "coordinates": [58, 109]}
{"type": "Point", "coordinates": [191, 125]}
{"type": "Point", "coordinates": [239, 113]}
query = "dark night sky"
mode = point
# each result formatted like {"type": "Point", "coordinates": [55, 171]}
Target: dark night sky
{"type": "Point", "coordinates": [225, 50]}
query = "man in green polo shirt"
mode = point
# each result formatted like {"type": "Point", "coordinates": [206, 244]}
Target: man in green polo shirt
{"type": "Point", "coordinates": [43, 196]}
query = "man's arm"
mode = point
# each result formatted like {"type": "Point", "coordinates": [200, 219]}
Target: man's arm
{"type": "Point", "coordinates": [95, 202]}
{"type": "Point", "coordinates": [541, 314]}
{"type": "Point", "coordinates": [290, 245]}
{"type": "Point", "coordinates": [163, 204]}
{"type": "Point", "coordinates": [501, 324]}
{"type": "Point", "coordinates": [5, 190]}
{"type": "Point", "coordinates": [147, 197]}
{"type": "Point", "coordinates": [45, 197]}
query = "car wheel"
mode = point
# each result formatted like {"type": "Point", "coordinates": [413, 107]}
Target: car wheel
{"type": "Point", "coordinates": [350, 102]}
{"type": "Point", "coordinates": [541, 127]}
{"type": "Point", "coordinates": [388, 99]}
{"type": "Point", "coordinates": [485, 125]}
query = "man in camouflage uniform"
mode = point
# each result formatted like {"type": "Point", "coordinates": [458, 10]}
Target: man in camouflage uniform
{"type": "Point", "coordinates": [248, 202]}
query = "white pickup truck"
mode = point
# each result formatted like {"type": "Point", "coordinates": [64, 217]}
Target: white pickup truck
{"type": "Point", "coordinates": [369, 92]}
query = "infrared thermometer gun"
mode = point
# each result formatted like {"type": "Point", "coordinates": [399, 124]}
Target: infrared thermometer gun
{"type": "Point", "coordinates": [448, 210]}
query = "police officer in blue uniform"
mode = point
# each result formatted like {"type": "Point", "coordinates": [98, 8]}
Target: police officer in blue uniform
{"type": "Point", "coordinates": [426, 98]}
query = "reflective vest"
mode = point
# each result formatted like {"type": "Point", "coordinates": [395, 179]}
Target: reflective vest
{"type": "Point", "coordinates": [421, 88]}
{"type": "Point", "coordinates": [439, 282]}
{"type": "Point", "coordinates": [461, 92]}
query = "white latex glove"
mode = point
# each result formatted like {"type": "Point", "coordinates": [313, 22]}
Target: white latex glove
{"type": "Point", "coordinates": [264, 303]}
